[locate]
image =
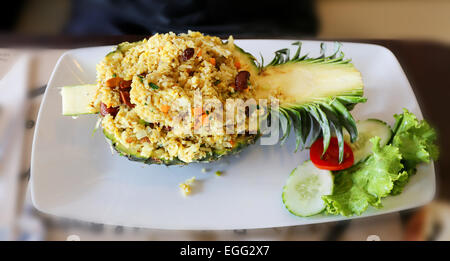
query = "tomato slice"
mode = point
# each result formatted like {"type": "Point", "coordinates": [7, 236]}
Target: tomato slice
{"type": "Point", "coordinates": [330, 160]}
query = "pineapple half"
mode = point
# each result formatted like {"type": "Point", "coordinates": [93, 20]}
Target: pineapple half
{"type": "Point", "coordinates": [315, 96]}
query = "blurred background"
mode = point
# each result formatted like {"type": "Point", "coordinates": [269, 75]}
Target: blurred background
{"type": "Point", "coordinates": [417, 31]}
{"type": "Point", "coordinates": [393, 19]}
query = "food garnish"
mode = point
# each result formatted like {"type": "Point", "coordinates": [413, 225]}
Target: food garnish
{"type": "Point", "coordinates": [329, 160]}
{"type": "Point", "coordinates": [305, 186]}
{"type": "Point", "coordinates": [386, 171]}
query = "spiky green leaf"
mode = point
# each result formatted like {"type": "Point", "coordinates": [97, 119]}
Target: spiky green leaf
{"type": "Point", "coordinates": [282, 56]}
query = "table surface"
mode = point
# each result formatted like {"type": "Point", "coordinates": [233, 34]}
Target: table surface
{"type": "Point", "coordinates": [424, 62]}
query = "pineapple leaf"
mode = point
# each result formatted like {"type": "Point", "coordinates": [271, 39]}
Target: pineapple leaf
{"type": "Point", "coordinates": [347, 119]}
{"type": "Point", "coordinates": [307, 126]}
{"type": "Point", "coordinates": [297, 53]}
{"type": "Point", "coordinates": [326, 130]}
{"type": "Point", "coordinates": [337, 128]}
{"type": "Point", "coordinates": [315, 130]}
{"type": "Point", "coordinates": [282, 56]}
{"type": "Point", "coordinates": [351, 99]}
{"type": "Point", "coordinates": [317, 113]}
{"type": "Point", "coordinates": [287, 131]}
{"type": "Point", "coordinates": [297, 123]}
{"type": "Point", "coordinates": [326, 117]}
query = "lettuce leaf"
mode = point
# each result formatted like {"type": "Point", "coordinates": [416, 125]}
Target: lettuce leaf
{"type": "Point", "coordinates": [366, 183]}
{"type": "Point", "coordinates": [386, 171]}
{"type": "Point", "coordinates": [416, 141]}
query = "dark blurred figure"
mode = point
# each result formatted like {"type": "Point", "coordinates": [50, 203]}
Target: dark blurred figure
{"type": "Point", "coordinates": [11, 15]}
{"type": "Point", "coordinates": [237, 17]}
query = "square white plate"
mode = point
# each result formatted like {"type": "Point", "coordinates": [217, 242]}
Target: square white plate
{"type": "Point", "coordinates": [74, 174]}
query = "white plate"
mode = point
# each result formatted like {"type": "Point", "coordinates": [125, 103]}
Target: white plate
{"type": "Point", "coordinates": [74, 174]}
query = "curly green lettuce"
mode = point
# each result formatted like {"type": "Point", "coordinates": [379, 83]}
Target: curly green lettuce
{"type": "Point", "coordinates": [365, 184]}
{"type": "Point", "coordinates": [416, 141]}
{"type": "Point", "coordinates": [386, 171]}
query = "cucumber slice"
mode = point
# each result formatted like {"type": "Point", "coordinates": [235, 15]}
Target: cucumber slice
{"type": "Point", "coordinates": [76, 99]}
{"type": "Point", "coordinates": [302, 194]}
{"type": "Point", "coordinates": [362, 147]}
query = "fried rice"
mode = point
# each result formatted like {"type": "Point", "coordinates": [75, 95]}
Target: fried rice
{"type": "Point", "coordinates": [163, 74]}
